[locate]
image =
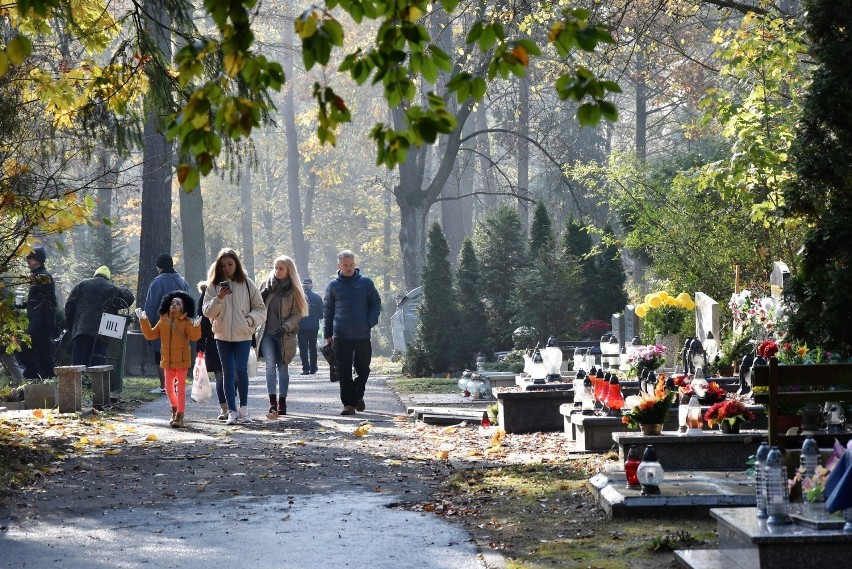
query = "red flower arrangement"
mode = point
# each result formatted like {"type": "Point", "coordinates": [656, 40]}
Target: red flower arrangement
{"type": "Point", "coordinates": [767, 349]}
{"type": "Point", "coordinates": [714, 394]}
{"type": "Point", "coordinates": [594, 328]}
{"type": "Point", "coordinates": [730, 411]}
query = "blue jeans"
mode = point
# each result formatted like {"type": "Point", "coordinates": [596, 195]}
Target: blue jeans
{"type": "Point", "coordinates": [234, 356]}
{"type": "Point", "coordinates": [270, 346]}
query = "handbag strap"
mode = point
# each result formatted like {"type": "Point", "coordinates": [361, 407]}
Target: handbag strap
{"type": "Point", "coordinates": [172, 324]}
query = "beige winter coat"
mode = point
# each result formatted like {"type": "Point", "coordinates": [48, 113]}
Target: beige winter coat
{"type": "Point", "coordinates": [289, 320]}
{"type": "Point", "coordinates": [236, 316]}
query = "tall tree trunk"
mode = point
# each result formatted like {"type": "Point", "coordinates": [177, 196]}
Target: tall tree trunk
{"type": "Point", "coordinates": [488, 181]}
{"type": "Point", "coordinates": [308, 216]}
{"type": "Point", "coordinates": [641, 142]}
{"type": "Point", "coordinates": [155, 234]}
{"type": "Point", "coordinates": [386, 241]}
{"type": "Point", "coordinates": [297, 234]}
{"type": "Point", "coordinates": [246, 229]}
{"type": "Point", "coordinates": [195, 260]}
{"type": "Point", "coordinates": [523, 151]}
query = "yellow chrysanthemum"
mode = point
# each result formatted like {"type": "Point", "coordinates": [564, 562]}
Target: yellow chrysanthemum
{"type": "Point", "coordinates": [684, 297]}
{"type": "Point", "coordinates": [664, 295]}
{"type": "Point", "coordinates": [648, 297]}
{"type": "Point", "coordinates": [688, 304]}
{"type": "Point", "coordinates": [642, 310]}
{"type": "Point", "coordinates": [655, 301]}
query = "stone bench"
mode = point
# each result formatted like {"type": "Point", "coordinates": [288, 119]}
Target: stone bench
{"type": "Point", "coordinates": [532, 411]}
{"type": "Point", "coordinates": [748, 542]}
{"type": "Point", "coordinates": [69, 388]}
{"type": "Point", "coordinates": [711, 450]}
{"type": "Point", "coordinates": [100, 376]}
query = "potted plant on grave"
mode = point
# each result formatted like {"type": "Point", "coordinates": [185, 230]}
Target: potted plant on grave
{"type": "Point", "coordinates": [648, 412]}
{"type": "Point", "coordinates": [667, 319]}
{"type": "Point", "coordinates": [651, 357]}
{"type": "Point", "coordinates": [729, 415]}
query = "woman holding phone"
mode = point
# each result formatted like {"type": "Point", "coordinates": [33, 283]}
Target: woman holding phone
{"type": "Point", "coordinates": [233, 304]}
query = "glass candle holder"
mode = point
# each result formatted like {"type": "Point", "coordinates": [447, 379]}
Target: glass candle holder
{"type": "Point", "coordinates": [631, 465]}
{"type": "Point", "coordinates": [810, 457]}
{"type": "Point", "coordinates": [777, 501]}
{"type": "Point", "coordinates": [760, 479]}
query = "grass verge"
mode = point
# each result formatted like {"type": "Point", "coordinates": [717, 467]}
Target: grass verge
{"type": "Point", "coordinates": [542, 516]}
{"type": "Point", "coordinates": [424, 385]}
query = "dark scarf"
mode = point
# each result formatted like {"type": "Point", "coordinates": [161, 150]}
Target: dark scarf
{"type": "Point", "coordinates": [274, 286]}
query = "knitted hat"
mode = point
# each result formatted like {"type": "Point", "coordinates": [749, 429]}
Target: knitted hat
{"type": "Point", "coordinates": [307, 283]}
{"type": "Point", "coordinates": [103, 271]}
{"type": "Point", "coordinates": [38, 253]}
{"type": "Point", "coordinates": [164, 261]}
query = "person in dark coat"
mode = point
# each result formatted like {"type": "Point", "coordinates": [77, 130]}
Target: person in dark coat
{"type": "Point", "coordinates": [88, 301]}
{"type": "Point", "coordinates": [168, 280]}
{"type": "Point", "coordinates": [308, 328]}
{"type": "Point", "coordinates": [207, 345]}
{"type": "Point", "coordinates": [352, 307]}
{"type": "Point", "coordinates": [37, 358]}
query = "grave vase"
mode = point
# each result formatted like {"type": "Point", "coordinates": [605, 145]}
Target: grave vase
{"type": "Point", "coordinates": [728, 428]}
{"type": "Point", "coordinates": [651, 429]}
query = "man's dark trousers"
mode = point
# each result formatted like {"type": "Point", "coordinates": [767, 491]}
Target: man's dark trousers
{"type": "Point", "coordinates": [308, 349]}
{"type": "Point", "coordinates": [349, 353]}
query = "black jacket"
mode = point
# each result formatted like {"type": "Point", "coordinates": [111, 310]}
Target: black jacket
{"type": "Point", "coordinates": [89, 299]}
{"type": "Point", "coordinates": [41, 303]}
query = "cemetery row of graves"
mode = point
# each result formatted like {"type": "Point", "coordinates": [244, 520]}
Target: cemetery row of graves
{"type": "Point", "coordinates": [760, 446]}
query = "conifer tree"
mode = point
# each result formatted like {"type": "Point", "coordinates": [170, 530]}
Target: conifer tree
{"type": "Point", "coordinates": [471, 308]}
{"type": "Point", "coordinates": [544, 296]}
{"type": "Point", "coordinates": [609, 295]}
{"type": "Point", "coordinates": [818, 296]}
{"type": "Point", "coordinates": [438, 321]}
{"type": "Point", "coordinates": [576, 255]}
{"type": "Point", "coordinates": [541, 232]}
{"type": "Point", "coordinates": [500, 247]}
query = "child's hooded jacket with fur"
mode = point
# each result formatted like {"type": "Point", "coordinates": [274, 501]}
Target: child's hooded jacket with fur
{"type": "Point", "coordinates": [174, 333]}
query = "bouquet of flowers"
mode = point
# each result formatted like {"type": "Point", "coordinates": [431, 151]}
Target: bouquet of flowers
{"type": "Point", "coordinates": [664, 313]}
{"type": "Point", "coordinates": [651, 357]}
{"type": "Point", "coordinates": [730, 411]}
{"type": "Point", "coordinates": [644, 410]}
{"type": "Point", "coordinates": [767, 349]}
{"type": "Point", "coordinates": [813, 487]}
{"type": "Point", "coordinates": [707, 393]}
{"type": "Point", "coordinates": [755, 316]}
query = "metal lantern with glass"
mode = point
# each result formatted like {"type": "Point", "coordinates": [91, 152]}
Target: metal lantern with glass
{"type": "Point", "coordinates": [694, 421]}
{"type": "Point", "coordinates": [538, 371]}
{"type": "Point", "coordinates": [650, 472]}
{"type": "Point", "coordinates": [579, 378]}
{"type": "Point", "coordinates": [777, 500]}
{"type": "Point", "coordinates": [696, 357]}
{"type": "Point", "coordinates": [553, 360]}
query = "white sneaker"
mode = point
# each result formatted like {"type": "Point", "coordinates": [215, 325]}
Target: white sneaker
{"type": "Point", "coordinates": [157, 390]}
{"type": "Point", "coordinates": [232, 418]}
{"type": "Point", "coordinates": [244, 415]}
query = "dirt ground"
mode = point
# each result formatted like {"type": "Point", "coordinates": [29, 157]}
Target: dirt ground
{"type": "Point", "coordinates": [518, 495]}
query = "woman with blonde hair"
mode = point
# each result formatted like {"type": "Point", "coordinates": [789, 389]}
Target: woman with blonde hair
{"type": "Point", "coordinates": [233, 304]}
{"type": "Point", "coordinates": [286, 305]}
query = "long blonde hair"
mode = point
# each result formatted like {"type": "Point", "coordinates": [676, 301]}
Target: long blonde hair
{"type": "Point", "coordinates": [299, 298]}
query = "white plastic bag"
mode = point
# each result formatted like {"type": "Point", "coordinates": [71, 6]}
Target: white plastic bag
{"type": "Point", "coordinates": [201, 390]}
{"type": "Point", "coordinates": [252, 363]}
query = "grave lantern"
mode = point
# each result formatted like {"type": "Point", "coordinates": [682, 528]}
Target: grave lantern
{"type": "Point", "coordinates": [614, 397]}
{"type": "Point", "coordinates": [623, 361]}
{"type": "Point", "coordinates": [834, 417]}
{"type": "Point", "coordinates": [810, 457]}
{"type": "Point", "coordinates": [579, 379]}
{"type": "Point", "coordinates": [476, 387]}
{"type": "Point", "coordinates": [480, 362]}
{"type": "Point", "coordinates": [711, 347]}
{"type": "Point", "coordinates": [613, 351]}
{"type": "Point", "coordinates": [777, 501]}
{"type": "Point", "coordinates": [553, 359]}
{"type": "Point", "coordinates": [538, 371]}
{"type": "Point", "coordinates": [631, 464]}
{"type": "Point", "coordinates": [588, 397]}
{"type": "Point", "coordinates": [682, 411]}
{"type": "Point", "coordinates": [650, 472]}
{"type": "Point", "coordinates": [601, 386]}
{"type": "Point", "coordinates": [604, 343]}
{"type": "Point", "coordinates": [463, 382]}
{"type": "Point", "coordinates": [760, 479]}
{"type": "Point", "coordinates": [696, 357]}
{"type": "Point", "coordinates": [693, 417]}
{"type": "Point", "coordinates": [595, 355]}
{"type": "Point", "coordinates": [579, 358]}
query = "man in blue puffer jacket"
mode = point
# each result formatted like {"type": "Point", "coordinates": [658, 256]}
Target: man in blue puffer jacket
{"type": "Point", "coordinates": [352, 307]}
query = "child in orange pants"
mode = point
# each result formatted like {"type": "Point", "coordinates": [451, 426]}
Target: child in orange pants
{"type": "Point", "coordinates": [175, 330]}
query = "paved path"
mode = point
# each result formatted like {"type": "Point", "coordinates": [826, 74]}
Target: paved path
{"type": "Point", "coordinates": [301, 492]}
